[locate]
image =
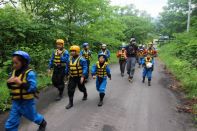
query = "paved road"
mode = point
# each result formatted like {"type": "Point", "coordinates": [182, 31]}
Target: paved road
{"type": "Point", "coordinates": [127, 107]}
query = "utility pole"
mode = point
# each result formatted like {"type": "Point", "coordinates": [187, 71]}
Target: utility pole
{"type": "Point", "coordinates": [189, 14]}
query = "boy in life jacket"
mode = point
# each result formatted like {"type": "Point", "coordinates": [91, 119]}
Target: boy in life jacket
{"type": "Point", "coordinates": [121, 54]}
{"type": "Point", "coordinates": [100, 72]}
{"type": "Point", "coordinates": [151, 51]}
{"type": "Point", "coordinates": [23, 86]}
{"type": "Point", "coordinates": [87, 54]}
{"type": "Point", "coordinates": [148, 64]}
{"type": "Point", "coordinates": [59, 61]}
{"type": "Point", "coordinates": [141, 54]}
{"type": "Point", "coordinates": [105, 51]}
{"type": "Point", "coordinates": [77, 72]}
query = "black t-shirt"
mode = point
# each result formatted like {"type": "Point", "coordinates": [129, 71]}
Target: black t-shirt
{"type": "Point", "coordinates": [131, 50]}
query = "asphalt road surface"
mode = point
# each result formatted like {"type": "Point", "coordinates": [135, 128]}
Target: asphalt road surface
{"type": "Point", "coordinates": [127, 107]}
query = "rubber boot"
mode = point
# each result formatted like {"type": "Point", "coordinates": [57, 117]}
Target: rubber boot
{"type": "Point", "coordinates": [122, 74]}
{"type": "Point", "coordinates": [149, 82]}
{"type": "Point", "coordinates": [42, 126]}
{"type": "Point", "coordinates": [143, 80]}
{"type": "Point", "coordinates": [70, 104]}
{"type": "Point", "coordinates": [85, 96]}
{"type": "Point", "coordinates": [101, 99]}
{"type": "Point", "coordinates": [130, 79]}
{"type": "Point", "coordinates": [59, 97]}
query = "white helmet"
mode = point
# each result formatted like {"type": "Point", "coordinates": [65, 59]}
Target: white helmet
{"type": "Point", "coordinates": [149, 65]}
{"type": "Point", "coordinates": [132, 39]}
{"type": "Point", "coordinates": [104, 45]}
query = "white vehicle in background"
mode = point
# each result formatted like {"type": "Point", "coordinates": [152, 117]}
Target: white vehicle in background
{"type": "Point", "coordinates": [155, 41]}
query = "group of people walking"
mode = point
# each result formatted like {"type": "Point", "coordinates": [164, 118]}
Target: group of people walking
{"type": "Point", "coordinates": [131, 54]}
{"type": "Point", "coordinates": [75, 65]}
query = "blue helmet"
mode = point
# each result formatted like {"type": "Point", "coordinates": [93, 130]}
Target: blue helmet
{"type": "Point", "coordinates": [85, 44]}
{"type": "Point", "coordinates": [23, 54]}
{"type": "Point", "coordinates": [102, 54]}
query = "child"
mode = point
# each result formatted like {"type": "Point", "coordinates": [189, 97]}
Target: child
{"type": "Point", "coordinates": [87, 54]}
{"type": "Point", "coordinates": [141, 54]}
{"type": "Point", "coordinates": [59, 61]}
{"type": "Point", "coordinates": [78, 72]}
{"type": "Point", "coordinates": [152, 52]}
{"type": "Point", "coordinates": [22, 85]}
{"type": "Point", "coordinates": [121, 54]}
{"type": "Point", "coordinates": [148, 64]}
{"type": "Point", "coordinates": [105, 51]}
{"type": "Point", "coordinates": [100, 72]}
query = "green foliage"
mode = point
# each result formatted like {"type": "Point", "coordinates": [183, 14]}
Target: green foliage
{"type": "Point", "coordinates": [174, 17]}
{"type": "Point", "coordinates": [182, 69]}
{"type": "Point", "coordinates": [39, 56]}
{"type": "Point", "coordinates": [4, 99]}
{"type": "Point", "coordinates": [43, 81]}
{"type": "Point", "coordinates": [137, 24]}
{"type": "Point", "coordinates": [186, 48]}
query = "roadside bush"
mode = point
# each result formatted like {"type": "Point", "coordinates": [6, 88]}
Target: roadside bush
{"type": "Point", "coordinates": [181, 64]}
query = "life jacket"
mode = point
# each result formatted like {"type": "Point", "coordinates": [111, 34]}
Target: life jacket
{"type": "Point", "coordinates": [101, 71]}
{"type": "Point", "coordinates": [148, 60]}
{"type": "Point", "coordinates": [17, 92]}
{"type": "Point", "coordinates": [86, 54]}
{"type": "Point", "coordinates": [141, 53]}
{"type": "Point", "coordinates": [151, 52]}
{"type": "Point", "coordinates": [122, 54]}
{"type": "Point", "coordinates": [105, 52]}
{"type": "Point", "coordinates": [57, 58]}
{"type": "Point", "coordinates": [75, 67]}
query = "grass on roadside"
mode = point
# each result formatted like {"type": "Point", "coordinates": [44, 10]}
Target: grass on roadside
{"type": "Point", "coordinates": [182, 70]}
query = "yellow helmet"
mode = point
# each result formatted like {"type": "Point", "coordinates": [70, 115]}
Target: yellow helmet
{"type": "Point", "coordinates": [60, 41]}
{"type": "Point", "coordinates": [75, 48]}
{"type": "Point", "coordinates": [150, 43]}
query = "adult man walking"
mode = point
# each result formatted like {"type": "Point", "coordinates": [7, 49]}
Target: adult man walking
{"type": "Point", "coordinates": [131, 52]}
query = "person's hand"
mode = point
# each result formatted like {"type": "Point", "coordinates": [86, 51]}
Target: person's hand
{"type": "Point", "coordinates": [59, 52]}
{"type": "Point", "coordinates": [82, 80]}
{"type": "Point", "coordinates": [10, 80]}
{"type": "Point", "coordinates": [17, 81]}
{"type": "Point", "coordinates": [110, 78]}
{"type": "Point", "coordinates": [94, 77]}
